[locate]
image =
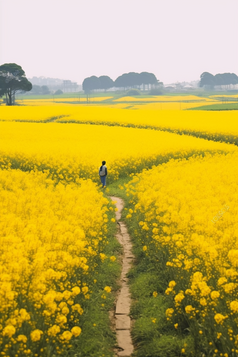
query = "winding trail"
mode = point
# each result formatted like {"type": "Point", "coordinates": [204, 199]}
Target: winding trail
{"type": "Point", "coordinates": [123, 321]}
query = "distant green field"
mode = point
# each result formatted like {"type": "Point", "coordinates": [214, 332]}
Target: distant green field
{"type": "Point", "coordinates": [79, 98]}
{"type": "Point", "coordinates": [224, 106]}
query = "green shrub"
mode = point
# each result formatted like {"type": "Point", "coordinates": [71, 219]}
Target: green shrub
{"type": "Point", "coordinates": [155, 91]}
{"type": "Point", "coordinates": [59, 91]}
{"type": "Point", "coordinates": [133, 92]}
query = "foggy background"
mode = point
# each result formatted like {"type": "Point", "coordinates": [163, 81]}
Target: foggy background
{"type": "Point", "coordinates": [74, 39]}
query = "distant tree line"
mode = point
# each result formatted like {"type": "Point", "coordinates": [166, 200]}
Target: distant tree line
{"type": "Point", "coordinates": [207, 79]}
{"type": "Point", "coordinates": [40, 89]}
{"type": "Point", "coordinates": [126, 80]}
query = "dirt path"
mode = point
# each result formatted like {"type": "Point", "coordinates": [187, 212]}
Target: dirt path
{"type": "Point", "coordinates": [123, 321]}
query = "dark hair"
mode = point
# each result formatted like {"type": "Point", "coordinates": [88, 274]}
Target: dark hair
{"type": "Point", "coordinates": [103, 162]}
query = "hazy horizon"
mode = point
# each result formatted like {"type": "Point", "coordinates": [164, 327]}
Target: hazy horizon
{"type": "Point", "coordinates": [75, 39]}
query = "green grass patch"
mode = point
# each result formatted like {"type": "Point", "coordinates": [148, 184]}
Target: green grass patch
{"type": "Point", "coordinates": [115, 188]}
{"type": "Point", "coordinates": [218, 107]}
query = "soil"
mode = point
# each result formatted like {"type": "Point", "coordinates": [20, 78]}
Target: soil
{"type": "Point", "coordinates": [123, 303]}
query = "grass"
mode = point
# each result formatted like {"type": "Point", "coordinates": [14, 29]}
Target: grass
{"type": "Point", "coordinates": [224, 106]}
{"type": "Point", "coordinates": [113, 189]}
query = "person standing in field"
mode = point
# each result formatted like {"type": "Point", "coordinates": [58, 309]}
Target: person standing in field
{"type": "Point", "coordinates": [103, 173]}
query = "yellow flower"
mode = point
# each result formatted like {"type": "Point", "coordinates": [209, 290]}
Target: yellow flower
{"type": "Point", "coordinates": [36, 335]}
{"type": "Point", "coordinates": [65, 310]}
{"type": "Point", "coordinates": [66, 335]}
{"type": "Point", "coordinates": [76, 290]}
{"type": "Point", "coordinates": [103, 256]}
{"type": "Point", "coordinates": [234, 306]}
{"type": "Point", "coordinates": [155, 293]}
{"type": "Point", "coordinates": [189, 309]}
{"type": "Point", "coordinates": [215, 295]}
{"type": "Point", "coordinates": [169, 312]}
{"type": "Point", "coordinates": [204, 289]}
{"type": "Point", "coordinates": [172, 284]}
{"type": "Point", "coordinates": [76, 331]}
{"type": "Point", "coordinates": [67, 294]}
{"type": "Point", "coordinates": [85, 290]}
{"type": "Point", "coordinates": [107, 289]}
{"type": "Point", "coordinates": [179, 297]}
{"type": "Point", "coordinates": [24, 315]}
{"type": "Point", "coordinates": [222, 280]}
{"type": "Point", "coordinates": [52, 331]}
{"type": "Point", "coordinates": [61, 319]}
{"type": "Point", "coordinates": [229, 288]}
{"type": "Point", "coordinates": [219, 318]}
{"type": "Point", "coordinates": [168, 291]}
{"type": "Point", "coordinates": [9, 331]}
{"type": "Point", "coordinates": [203, 302]}
{"type": "Point", "coordinates": [77, 308]}
{"type": "Point", "coordinates": [21, 338]}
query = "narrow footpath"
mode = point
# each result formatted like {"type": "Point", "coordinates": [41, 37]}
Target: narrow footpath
{"type": "Point", "coordinates": [123, 321]}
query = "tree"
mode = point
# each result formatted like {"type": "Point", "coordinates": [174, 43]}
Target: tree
{"type": "Point", "coordinates": [128, 80]}
{"type": "Point", "coordinates": [91, 83]}
{"type": "Point", "coordinates": [226, 78]}
{"type": "Point", "coordinates": [45, 90]}
{"type": "Point", "coordinates": [121, 81]}
{"type": "Point", "coordinates": [2, 86]}
{"type": "Point", "coordinates": [219, 79]}
{"type": "Point", "coordinates": [148, 78]}
{"type": "Point", "coordinates": [12, 80]}
{"type": "Point", "coordinates": [105, 82]}
{"type": "Point", "coordinates": [133, 79]}
{"type": "Point", "coordinates": [207, 79]}
{"type": "Point", "coordinates": [36, 89]}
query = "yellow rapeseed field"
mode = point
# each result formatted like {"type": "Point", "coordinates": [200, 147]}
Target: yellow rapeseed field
{"type": "Point", "coordinates": [69, 152]}
{"type": "Point", "coordinates": [54, 219]}
{"type": "Point", "coordinates": [52, 240]}
{"type": "Point", "coordinates": [218, 125]}
{"type": "Point", "coordinates": [53, 101]}
{"type": "Point", "coordinates": [187, 225]}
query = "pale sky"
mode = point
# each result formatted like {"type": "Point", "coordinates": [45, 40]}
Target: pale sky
{"type": "Point", "coordinates": [176, 40]}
